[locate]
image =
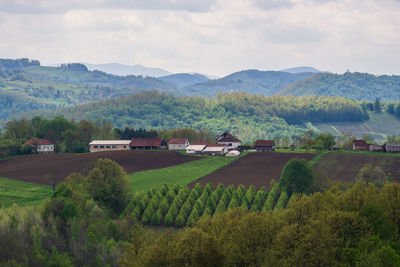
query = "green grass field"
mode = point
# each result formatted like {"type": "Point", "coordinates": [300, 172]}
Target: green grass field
{"type": "Point", "coordinates": [180, 174]}
{"type": "Point", "coordinates": [22, 193]}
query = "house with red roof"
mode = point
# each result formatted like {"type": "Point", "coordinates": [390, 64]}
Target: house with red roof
{"type": "Point", "coordinates": [147, 143]}
{"type": "Point", "coordinates": [178, 144]}
{"type": "Point", "coordinates": [229, 140]}
{"type": "Point", "coordinates": [265, 145]}
{"type": "Point", "coordinates": [41, 145]}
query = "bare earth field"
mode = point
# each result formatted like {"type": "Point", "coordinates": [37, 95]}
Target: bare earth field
{"type": "Point", "coordinates": [345, 166]}
{"type": "Point", "coordinates": [256, 169]}
{"type": "Point", "coordinates": [33, 168]}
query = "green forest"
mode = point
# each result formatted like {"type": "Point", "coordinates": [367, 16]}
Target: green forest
{"type": "Point", "coordinates": [358, 86]}
{"type": "Point", "coordinates": [248, 116]}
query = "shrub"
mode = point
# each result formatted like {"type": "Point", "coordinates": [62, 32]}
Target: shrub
{"type": "Point", "coordinates": [157, 218]}
{"type": "Point", "coordinates": [282, 201]}
{"type": "Point", "coordinates": [180, 220]}
{"type": "Point", "coordinates": [273, 194]}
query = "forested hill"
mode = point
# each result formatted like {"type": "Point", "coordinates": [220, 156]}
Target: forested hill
{"type": "Point", "coordinates": [359, 86]}
{"type": "Point", "coordinates": [248, 116]}
{"type": "Point", "coordinates": [250, 81]}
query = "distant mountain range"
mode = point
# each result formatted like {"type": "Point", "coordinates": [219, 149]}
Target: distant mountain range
{"type": "Point", "coordinates": [301, 70]}
{"type": "Point", "coordinates": [123, 70]}
{"type": "Point", "coordinates": [184, 79]}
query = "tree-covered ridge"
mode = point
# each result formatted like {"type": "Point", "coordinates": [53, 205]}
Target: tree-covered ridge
{"type": "Point", "coordinates": [250, 81]}
{"type": "Point", "coordinates": [13, 102]}
{"type": "Point", "coordinates": [359, 86]}
{"type": "Point", "coordinates": [247, 116]}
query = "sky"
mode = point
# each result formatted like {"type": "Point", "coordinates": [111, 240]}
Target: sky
{"type": "Point", "coordinates": [215, 37]}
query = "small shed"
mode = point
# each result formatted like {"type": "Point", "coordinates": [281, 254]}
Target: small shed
{"type": "Point", "coordinates": [376, 148]}
{"type": "Point", "coordinates": [178, 144]}
{"type": "Point", "coordinates": [393, 148]}
{"type": "Point", "coordinates": [216, 149]}
{"type": "Point", "coordinates": [148, 143]}
{"type": "Point", "coordinates": [360, 145]}
{"type": "Point", "coordinates": [265, 145]}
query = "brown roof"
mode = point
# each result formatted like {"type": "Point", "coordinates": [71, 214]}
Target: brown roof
{"type": "Point", "coordinates": [177, 141]}
{"type": "Point", "coordinates": [146, 141]}
{"type": "Point", "coordinates": [360, 143]}
{"type": "Point", "coordinates": [200, 142]}
{"type": "Point", "coordinates": [227, 137]}
{"type": "Point", "coordinates": [36, 141]}
{"type": "Point", "coordinates": [265, 143]}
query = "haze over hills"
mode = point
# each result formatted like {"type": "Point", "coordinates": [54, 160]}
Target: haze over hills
{"type": "Point", "coordinates": [251, 81]}
{"type": "Point", "coordinates": [301, 69]}
{"type": "Point", "coordinates": [123, 70]}
{"type": "Point", "coordinates": [184, 79]}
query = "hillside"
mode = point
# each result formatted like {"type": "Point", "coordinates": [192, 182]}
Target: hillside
{"type": "Point", "coordinates": [301, 69]}
{"type": "Point", "coordinates": [380, 126]}
{"type": "Point", "coordinates": [184, 79]}
{"type": "Point", "coordinates": [248, 116]}
{"type": "Point", "coordinates": [250, 81]}
{"type": "Point", "coordinates": [358, 86]}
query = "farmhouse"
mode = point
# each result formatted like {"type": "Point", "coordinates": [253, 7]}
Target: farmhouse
{"type": "Point", "coordinates": [178, 144]}
{"type": "Point", "coordinates": [41, 145]}
{"type": "Point", "coordinates": [229, 140]}
{"type": "Point", "coordinates": [393, 148]}
{"type": "Point", "coordinates": [360, 145]}
{"type": "Point", "coordinates": [265, 145]}
{"type": "Point", "coordinates": [148, 143]}
{"type": "Point", "coordinates": [216, 149]}
{"type": "Point", "coordinates": [195, 149]}
{"type": "Point", "coordinates": [109, 145]}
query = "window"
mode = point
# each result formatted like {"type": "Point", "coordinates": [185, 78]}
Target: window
{"type": "Point", "coordinates": [124, 146]}
{"type": "Point", "coordinates": [107, 146]}
{"type": "Point", "coordinates": [101, 146]}
{"type": "Point", "coordinates": [230, 144]}
{"type": "Point", "coordinates": [96, 146]}
{"type": "Point", "coordinates": [114, 146]}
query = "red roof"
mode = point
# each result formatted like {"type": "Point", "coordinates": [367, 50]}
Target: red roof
{"type": "Point", "coordinates": [360, 143]}
{"type": "Point", "coordinates": [37, 141]}
{"type": "Point", "coordinates": [177, 141]}
{"type": "Point", "coordinates": [265, 143]}
{"type": "Point", "coordinates": [227, 137]}
{"type": "Point", "coordinates": [216, 145]}
{"type": "Point", "coordinates": [200, 142]}
{"type": "Point", "coordinates": [146, 141]}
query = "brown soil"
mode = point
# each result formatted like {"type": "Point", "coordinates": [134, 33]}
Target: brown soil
{"type": "Point", "coordinates": [256, 169]}
{"type": "Point", "coordinates": [345, 166]}
{"type": "Point", "coordinates": [33, 168]}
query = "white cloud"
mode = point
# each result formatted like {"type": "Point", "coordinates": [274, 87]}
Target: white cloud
{"type": "Point", "coordinates": [226, 36]}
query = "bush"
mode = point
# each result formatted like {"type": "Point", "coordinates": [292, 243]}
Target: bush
{"type": "Point", "coordinates": [180, 220]}
{"type": "Point", "coordinates": [282, 201]}
{"type": "Point", "coordinates": [273, 194]}
{"type": "Point", "coordinates": [157, 218]}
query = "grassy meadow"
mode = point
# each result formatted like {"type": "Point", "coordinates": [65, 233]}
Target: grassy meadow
{"type": "Point", "coordinates": [22, 193]}
{"type": "Point", "coordinates": [179, 174]}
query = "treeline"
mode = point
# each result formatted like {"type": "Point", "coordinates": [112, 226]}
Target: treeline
{"type": "Point", "coordinates": [89, 221]}
{"type": "Point", "coordinates": [17, 63]}
{"type": "Point", "coordinates": [247, 116]}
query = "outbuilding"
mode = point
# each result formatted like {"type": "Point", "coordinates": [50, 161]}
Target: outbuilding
{"type": "Point", "coordinates": [265, 145]}
{"type": "Point", "coordinates": [216, 149]}
{"type": "Point", "coordinates": [195, 149]}
{"type": "Point", "coordinates": [178, 144]}
{"type": "Point", "coordinates": [109, 145]}
{"type": "Point", "coordinates": [360, 145]}
{"type": "Point", "coordinates": [148, 143]}
{"type": "Point", "coordinates": [393, 148]}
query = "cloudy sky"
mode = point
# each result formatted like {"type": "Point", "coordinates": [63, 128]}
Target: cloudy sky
{"type": "Point", "coordinates": [208, 36]}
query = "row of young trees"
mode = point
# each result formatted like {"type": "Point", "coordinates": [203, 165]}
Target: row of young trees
{"type": "Point", "coordinates": [180, 206]}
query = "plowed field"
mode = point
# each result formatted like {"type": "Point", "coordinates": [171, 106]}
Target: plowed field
{"type": "Point", "coordinates": [253, 169]}
{"type": "Point", "coordinates": [33, 168]}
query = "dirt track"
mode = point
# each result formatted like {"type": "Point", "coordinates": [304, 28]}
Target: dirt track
{"type": "Point", "coordinates": [255, 168]}
{"type": "Point", "coordinates": [33, 168]}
